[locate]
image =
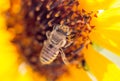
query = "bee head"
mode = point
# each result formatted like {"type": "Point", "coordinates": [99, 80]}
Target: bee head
{"type": "Point", "coordinates": [63, 29]}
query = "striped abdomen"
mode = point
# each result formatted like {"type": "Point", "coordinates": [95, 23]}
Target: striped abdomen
{"type": "Point", "coordinates": [48, 53]}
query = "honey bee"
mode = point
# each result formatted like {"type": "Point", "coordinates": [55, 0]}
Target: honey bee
{"type": "Point", "coordinates": [56, 40]}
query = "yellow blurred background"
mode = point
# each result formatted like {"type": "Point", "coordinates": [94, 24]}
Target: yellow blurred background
{"type": "Point", "coordinates": [106, 34]}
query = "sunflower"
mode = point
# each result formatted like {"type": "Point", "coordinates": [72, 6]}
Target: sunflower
{"type": "Point", "coordinates": [102, 56]}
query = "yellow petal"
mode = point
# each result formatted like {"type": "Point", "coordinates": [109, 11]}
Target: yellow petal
{"type": "Point", "coordinates": [112, 73]}
{"type": "Point", "coordinates": [96, 62]}
{"type": "Point", "coordinates": [75, 75]}
{"type": "Point", "coordinates": [107, 30]}
{"type": "Point", "coordinates": [4, 5]}
{"type": "Point", "coordinates": [94, 5]}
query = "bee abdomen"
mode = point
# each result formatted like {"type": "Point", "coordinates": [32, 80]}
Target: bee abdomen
{"type": "Point", "coordinates": [48, 54]}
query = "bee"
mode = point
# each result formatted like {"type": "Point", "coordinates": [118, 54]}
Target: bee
{"type": "Point", "coordinates": [47, 29]}
{"type": "Point", "coordinates": [56, 40]}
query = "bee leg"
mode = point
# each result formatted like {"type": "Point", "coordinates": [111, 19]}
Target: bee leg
{"type": "Point", "coordinates": [64, 57]}
{"type": "Point", "coordinates": [70, 41]}
{"type": "Point", "coordinates": [68, 44]}
{"type": "Point", "coordinates": [78, 50]}
{"type": "Point", "coordinates": [48, 34]}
